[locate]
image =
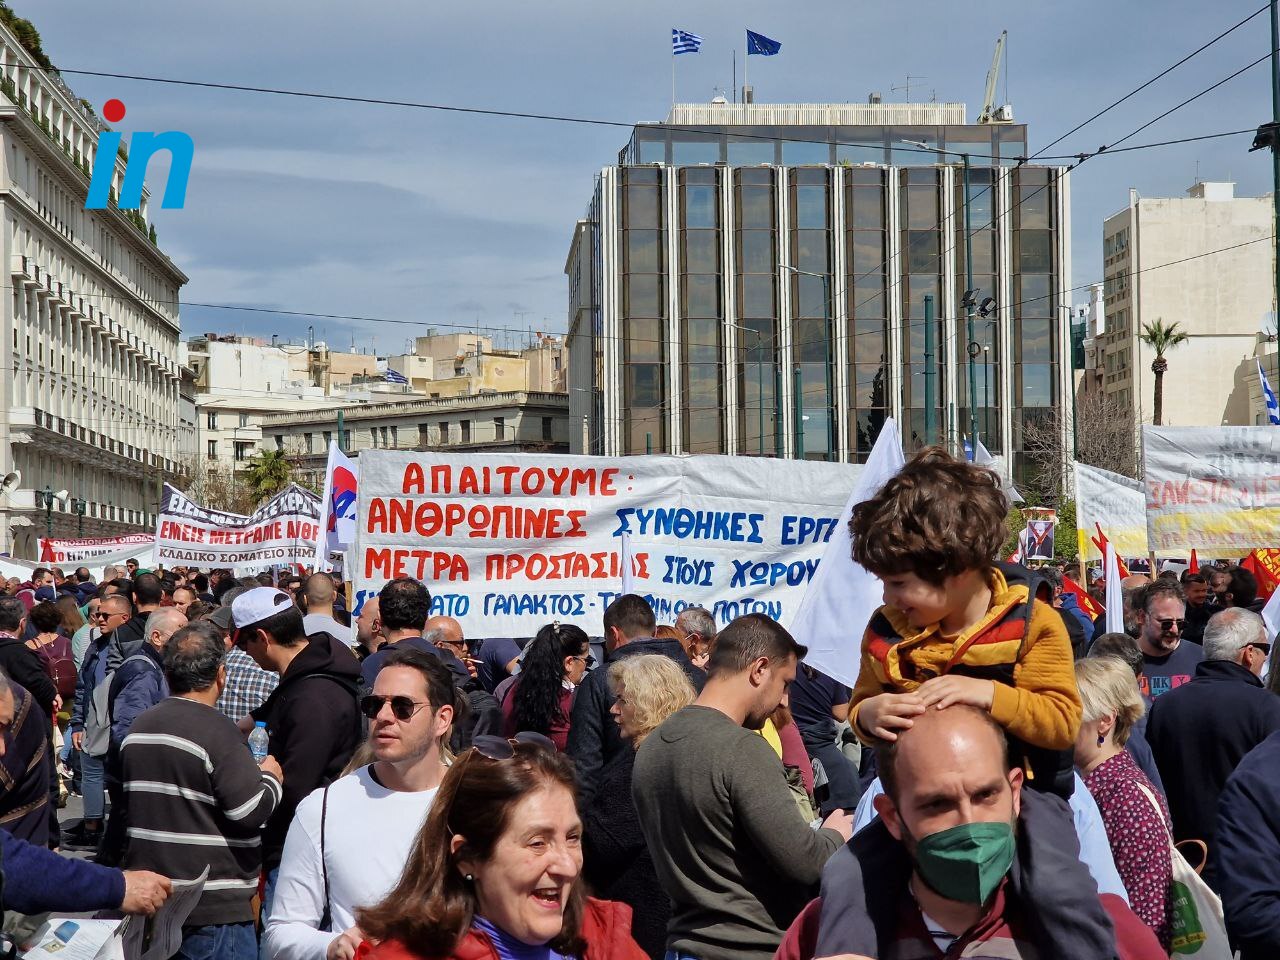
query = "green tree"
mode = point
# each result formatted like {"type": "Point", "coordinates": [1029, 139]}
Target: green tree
{"type": "Point", "coordinates": [1161, 339]}
{"type": "Point", "coordinates": [269, 472]}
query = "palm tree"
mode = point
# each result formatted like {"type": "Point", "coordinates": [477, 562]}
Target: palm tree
{"type": "Point", "coordinates": [1161, 339]}
{"type": "Point", "coordinates": [268, 473]}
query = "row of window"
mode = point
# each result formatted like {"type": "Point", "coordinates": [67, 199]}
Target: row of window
{"type": "Point", "coordinates": [440, 433]}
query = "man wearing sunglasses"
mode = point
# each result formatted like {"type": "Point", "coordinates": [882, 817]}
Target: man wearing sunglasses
{"type": "Point", "coordinates": [1202, 730]}
{"type": "Point", "coordinates": [312, 718]}
{"type": "Point", "coordinates": [1167, 660]}
{"type": "Point", "coordinates": [361, 827]}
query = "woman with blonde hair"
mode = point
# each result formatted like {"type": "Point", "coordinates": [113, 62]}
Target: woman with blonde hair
{"type": "Point", "coordinates": [616, 862]}
{"type": "Point", "coordinates": [1133, 812]}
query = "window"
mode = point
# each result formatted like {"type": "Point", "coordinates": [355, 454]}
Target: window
{"type": "Point", "coordinates": [212, 420]}
{"type": "Point", "coordinates": [442, 431]}
{"type": "Point", "coordinates": [499, 428]}
{"type": "Point", "coordinates": [213, 450]}
{"type": "Point", "coordinates": [307, 439]}
{"type": "Point", "coordinates": [395, 436]}
{"type": "Point", "coordinates": [244, 419]}
{"type": "Point", "coordinates": [346, 439]}
{"type": "Point", "coordinates": [243, 450]}
{"type": "Point", "coordinates": [424, 435]}
{"type": "Point", "coordinates": [465, 427]}
{"type": "Point", "coordinates": [279, 441]}
{"type": "Point", "coordinates": [328, 439]}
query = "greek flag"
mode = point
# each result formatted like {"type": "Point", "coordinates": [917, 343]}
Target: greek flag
{"type": "Point", "coordinates": [682, 42]}
{"type": "Point", "coordinates": [1269, 396]}
{"type": "Point", "coordinates": [758, 43]}
{"type": "Point", "coordinates": [395, 376]}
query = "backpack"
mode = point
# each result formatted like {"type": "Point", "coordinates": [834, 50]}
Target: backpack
{"type": "Point", "coordinates": [60, 667]}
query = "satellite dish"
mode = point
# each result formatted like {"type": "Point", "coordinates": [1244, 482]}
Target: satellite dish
{"type": "Point", "coordinates": [10, 482]}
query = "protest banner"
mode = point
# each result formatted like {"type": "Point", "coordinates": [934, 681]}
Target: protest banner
{"type": "Point", "coordinates": [1117, 505]}
{"type": "Point", "coordinates": [510, 542]}
{"type": "Point", "coordinates": [72, 551]}
{"type": "Point", "coordinates": [281, 531]}
{"type": "Point", "coordinates": [1216, 489]}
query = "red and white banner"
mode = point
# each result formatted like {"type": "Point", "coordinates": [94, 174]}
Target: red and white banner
{"type": "Point", "coordinates": [74, 551]}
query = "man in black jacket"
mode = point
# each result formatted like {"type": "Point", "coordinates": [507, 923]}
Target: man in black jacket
{"type": "Point", "coordinates": [312, 718]}
{"type": "Point", "coordinates": [147, 593]}
{"type": "Point", "coordinates": [1201, 730]}
{"type": "Point", "coordinates": [594, 739]}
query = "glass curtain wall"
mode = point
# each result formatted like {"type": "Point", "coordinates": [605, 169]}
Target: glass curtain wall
{"type": "Point", "coordinates": [866, 232]}
{"type": "Point", "coordinates": [701, 311]}
{"type": "Point", "coordinates": [811, 298]}
{"type": "Point", "coordinates": [755, 250]}
{"type": "Point", "coordinates": [985, 330]}
{"type": "Point", "coordinates": [1036, 350]}
{"type": "Point", "coordinates": [919, 218]}
{"type": "Point", "coordinates": [644, 309]}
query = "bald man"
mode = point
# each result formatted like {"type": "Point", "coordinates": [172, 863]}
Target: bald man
{"type": "Point", "coordinates": [1129, 586]}
{"type": "Point", "coordinates": [320, 594]}
{"type": "Point", "coordinates": [943, 858]}
{"type": "Point", "coordinates": [368, 629]}
{"type": "Point", "coordinates": [446, 633]}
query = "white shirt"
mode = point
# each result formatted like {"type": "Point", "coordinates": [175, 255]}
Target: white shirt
{"type": "Point", "coordinates": [368, 835]}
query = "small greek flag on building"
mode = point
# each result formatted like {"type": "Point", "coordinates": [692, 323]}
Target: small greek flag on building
{"type": "Point", "coordinates": [395, 376]}
{"type": "Point", "coordinates": [682, 42]}
{"type": "Point", "coordinates": [1269, 396]}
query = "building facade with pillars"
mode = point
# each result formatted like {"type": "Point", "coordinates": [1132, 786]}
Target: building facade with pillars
{"type": "Point", "coordinates": [88, 351]}
{"type": "Point", "coordinates": [510, 422]}
{"type": "Point", "coordinates": [751, 279]}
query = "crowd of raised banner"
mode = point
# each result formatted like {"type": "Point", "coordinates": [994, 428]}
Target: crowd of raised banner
{"type": "Point", "coordinates": [1005, 779]}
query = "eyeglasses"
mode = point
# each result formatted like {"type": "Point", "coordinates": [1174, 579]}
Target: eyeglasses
{"type": "Point", "coordinates": [503, 748]}
{"type": "Point", "coordinates": [1167, 623]}
{"type": "Point", "coordinates": [589, 661]}
{"type": "Point", "coordinates": [1264, 647]}
{"type": "Point", "coordinates": [100, 615]}
{"type": "Point", "coordinates": [457, 646]}
{"type": "Point", "coordinates": [403, 708]}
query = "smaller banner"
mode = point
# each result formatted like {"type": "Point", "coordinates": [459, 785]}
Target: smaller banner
{"type": "Point", "coordinates": [55, 550]}
{"type": "Point", "coordinates": [1117, 505]}
{"type": "Point", "coordinates": [1039, 540]}
{"type": "Point", "coordinates": [1216, 489]}
{"type": "Point", "coordinates": [281, 531]}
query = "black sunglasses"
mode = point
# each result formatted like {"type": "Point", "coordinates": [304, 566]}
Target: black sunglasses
{"type": "Point", "coordinates": [402, 708]}
{"type": "Point", "coordinates": [502, 748]}
{"type": "Point", "coordinates": [1264, 647]}
{"type": "Point", "coordinates": [1166, 623]}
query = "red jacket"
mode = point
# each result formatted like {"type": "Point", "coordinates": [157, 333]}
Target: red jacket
{"type": "Point", "coordinates": [606, 927]}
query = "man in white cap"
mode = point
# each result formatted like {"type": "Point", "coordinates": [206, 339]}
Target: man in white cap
{"type": "Point", "coordinates": [312, 718]}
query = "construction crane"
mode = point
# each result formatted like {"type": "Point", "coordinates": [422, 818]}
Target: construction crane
{"type": "Point", "coordinates": [990, 112]}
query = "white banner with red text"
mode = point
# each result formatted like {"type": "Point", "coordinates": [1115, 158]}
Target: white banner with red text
{"type": "Point", "coordinates": [54, 550]}
{"type": "Point", "coordinates": [510, 542]}
{"type": "Point", "coordinates": [281, 531]}
{"type": "Point", "coordinates": [1214, 489]}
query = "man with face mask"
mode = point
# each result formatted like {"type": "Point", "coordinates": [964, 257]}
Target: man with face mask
{"type": "Point", "coordinates": [728, 843]}
{"type": "Point", "coordinates": [945, 848]}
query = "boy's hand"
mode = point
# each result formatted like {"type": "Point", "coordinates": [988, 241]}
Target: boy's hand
{"type": "Point", "coordinates": [947, 690]}
{"type": "Point", "coordinates": [881, 715]}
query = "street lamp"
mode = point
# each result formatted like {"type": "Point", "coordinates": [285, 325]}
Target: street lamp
{"type": "Point", "coordinates": [50, 498]}
{"type": "Point", "coordinates": [80, 505]}
{"type": "Point", "coordinates": [970, 294]}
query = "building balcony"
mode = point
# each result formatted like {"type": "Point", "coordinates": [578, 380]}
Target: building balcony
{"type": "Point", "coordinates": [65, 437]}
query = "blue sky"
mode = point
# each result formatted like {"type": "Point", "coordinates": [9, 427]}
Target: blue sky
{"type": "Point", "coordinates": [448, 219]}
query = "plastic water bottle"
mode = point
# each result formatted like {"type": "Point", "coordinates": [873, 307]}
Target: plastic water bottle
{"type": "Point", "coordinates": [258, 742]}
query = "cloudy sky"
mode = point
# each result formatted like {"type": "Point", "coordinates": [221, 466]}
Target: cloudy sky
{"type": "Point", "coordinates": [447, 219]}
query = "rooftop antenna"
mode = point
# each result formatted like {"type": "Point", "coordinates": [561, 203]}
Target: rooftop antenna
{"type": "Point", "coordinates": [906, 87]}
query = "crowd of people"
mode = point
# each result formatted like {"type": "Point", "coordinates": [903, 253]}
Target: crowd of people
{"type": "Point", "coordinates": [1005, 778]}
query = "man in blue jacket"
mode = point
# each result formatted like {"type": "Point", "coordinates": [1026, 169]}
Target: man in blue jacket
{"type": "Point", "coordinates": [1247, 855]}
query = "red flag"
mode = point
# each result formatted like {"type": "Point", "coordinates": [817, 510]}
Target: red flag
{"type": "Point", "coordinates": [1090, 606]}
{"type": "Point", "coordinates": [1100, 541]}
{"type": "Point", "coordinates": [1194, 566]}
{"type": "Point", "coordinates": [1265, 566]}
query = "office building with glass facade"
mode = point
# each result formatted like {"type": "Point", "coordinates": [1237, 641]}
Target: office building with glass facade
{"type": "Point", "coordinates": [751, 279]}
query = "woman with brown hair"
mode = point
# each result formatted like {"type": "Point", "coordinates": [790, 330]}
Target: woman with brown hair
{"type": "Point", "coordinates": [496, 871]}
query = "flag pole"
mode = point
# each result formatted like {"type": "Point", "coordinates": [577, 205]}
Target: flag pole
{"type": "Point", "coordinates": [673, 78]}
{"type": "Point", "coordinates": [735, 74]}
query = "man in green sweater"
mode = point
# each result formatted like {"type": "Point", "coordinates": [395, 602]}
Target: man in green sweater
{"type": "Point", "coordinates": [727, 840]}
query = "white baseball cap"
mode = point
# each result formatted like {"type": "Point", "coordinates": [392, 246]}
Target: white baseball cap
{"type": "Point", "coordinates": [258, 604]}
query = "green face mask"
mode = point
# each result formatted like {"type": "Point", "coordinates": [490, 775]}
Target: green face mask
{"type": "Point", "coordinates": [966, 862]}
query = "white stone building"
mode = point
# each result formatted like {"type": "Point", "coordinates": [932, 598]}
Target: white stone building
{"type": "Point", "coordinates": [1218, 287]}
{"type": "Point", "coordinates": [88, 352]}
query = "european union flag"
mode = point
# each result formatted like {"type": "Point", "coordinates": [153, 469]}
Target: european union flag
{"type": "Point", "coordinates": [759, 43]}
